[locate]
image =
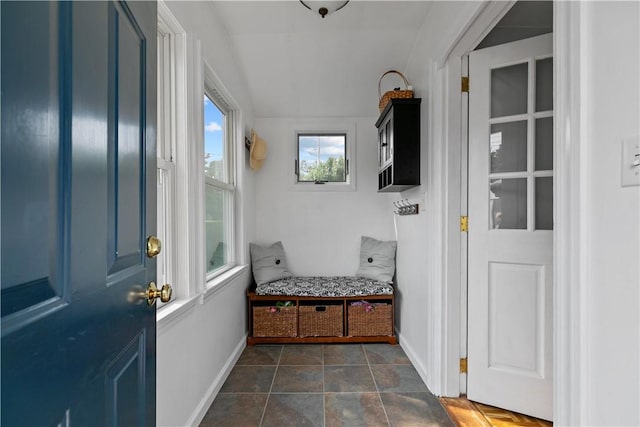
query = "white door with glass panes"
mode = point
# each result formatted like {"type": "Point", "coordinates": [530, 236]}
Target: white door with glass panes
{"type": "Point", "coordinates": [511, 226]}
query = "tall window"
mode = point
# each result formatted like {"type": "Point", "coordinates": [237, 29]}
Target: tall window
{"type": "Point", "coordinates": [195, 172]}
{"type": "Point", "coordinates": [219, 183]}
{"type": "Point", "coordinates": [166, 164]}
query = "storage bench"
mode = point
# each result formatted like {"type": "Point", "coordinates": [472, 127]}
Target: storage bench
{"type": "Point", "coordinates": [330, 310]}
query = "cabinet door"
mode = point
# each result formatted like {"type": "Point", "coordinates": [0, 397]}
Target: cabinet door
{"type": "Point", "coordinates": [382, 143]}
{"type": "Point", "coordinates": [385, 135]}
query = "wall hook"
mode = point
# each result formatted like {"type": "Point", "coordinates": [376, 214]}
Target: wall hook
{"type": "Point", "coordinates": [404, 207]}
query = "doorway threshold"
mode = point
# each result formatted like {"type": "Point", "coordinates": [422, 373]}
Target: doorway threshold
{"type": "Point", "coordinates": [466, 413]}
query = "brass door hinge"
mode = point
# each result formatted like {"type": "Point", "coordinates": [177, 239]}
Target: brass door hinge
{"type": "Point", "coordinates": [465, 84]}
{"type": "Point", "coordinates": [463, 365]}
{"type": "Point", "coordinates": [464, 224]}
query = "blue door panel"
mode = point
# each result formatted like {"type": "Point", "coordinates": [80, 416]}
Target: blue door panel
{"type": "Point", "coordinates": [126, 142]}
{"type": "Point", "coordinates": [86, 352]}
{"type": "Point", "coordinates": [124, 375]}
{"type": "Point", "coordinates": [31, 173]}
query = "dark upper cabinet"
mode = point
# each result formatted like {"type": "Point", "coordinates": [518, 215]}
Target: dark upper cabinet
{"type": "Point", "coordinates": [399, 145]}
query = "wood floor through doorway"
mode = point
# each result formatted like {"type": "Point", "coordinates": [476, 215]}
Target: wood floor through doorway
{"type": "Point", "coordinates": [466, 413]}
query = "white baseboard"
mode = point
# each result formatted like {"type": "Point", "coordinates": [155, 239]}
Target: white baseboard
{"type": "Point", "coordinates": [411, 354]}
{"type": "Point", "coordinates": [201, 410]}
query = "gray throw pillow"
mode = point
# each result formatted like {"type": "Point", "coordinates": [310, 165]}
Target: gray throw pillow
{"type": "Point", "coordinates": [377, 259]}
{"type": "Point", "coordinates": [268, 262]}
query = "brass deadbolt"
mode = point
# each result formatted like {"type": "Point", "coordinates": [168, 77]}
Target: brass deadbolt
{"type": "Point", "coordinates": [154, 246]}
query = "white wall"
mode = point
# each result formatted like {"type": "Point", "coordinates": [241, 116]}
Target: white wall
{"type": "Point", "coordinates": [611, 107]}
{"type": "Point", "coordinates": [197, 346]}
{"type": "Point", "coordinates": [320, 230]}
{"type": "Point", "coordinates": [423, 280]}
{"type": "Point", "coordinates": [196, 351]}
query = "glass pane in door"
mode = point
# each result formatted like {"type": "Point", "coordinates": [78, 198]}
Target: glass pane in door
{"type": "Point", "coordinates": [544, 144]}
{"type": "Point", "coordinates": [389, 141]}
{"type": "Point", "coordinates": [509, 88]}
{"type": "Point", "coordinates": [508, 147]}
{"type": "Point", "coordinates": [508, 203]}
{"type": "Point", "coordinates": [544, 84]}
{"type": "Point", "coordinates": [544, 203]}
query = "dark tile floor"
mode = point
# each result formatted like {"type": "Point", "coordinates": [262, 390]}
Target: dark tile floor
{"type": "Point", "coordinates": [325, 386]}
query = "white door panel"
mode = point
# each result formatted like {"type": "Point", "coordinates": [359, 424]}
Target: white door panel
{"type": "Point", "coordinates": [514, 340]}
{"type": "Point", "coordinates": [510, 227]}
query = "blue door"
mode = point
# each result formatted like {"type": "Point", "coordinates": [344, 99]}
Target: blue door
{"type": "Point", "coordinates": [77, 205]}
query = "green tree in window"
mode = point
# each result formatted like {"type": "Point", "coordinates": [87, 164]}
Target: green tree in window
{"type": "Point", "coordinates": [331, 170]}
{"type": "Point", "coordinates": [214, 169]}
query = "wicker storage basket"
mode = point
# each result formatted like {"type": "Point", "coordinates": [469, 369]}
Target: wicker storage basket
{"type": "Point", "coordinates": [269, 321]}
{"type": "Point", "coordinates": [406, 93]}
{"type": "Point", "coordinates": [363, 323]}
{"type": "Point", "coordinates": [320, 321]}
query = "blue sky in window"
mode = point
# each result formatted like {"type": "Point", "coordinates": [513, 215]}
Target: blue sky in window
{"type": "Point", "coordinates": [213, 131]}
{"type": "Point", "coordinates": [327, 146]}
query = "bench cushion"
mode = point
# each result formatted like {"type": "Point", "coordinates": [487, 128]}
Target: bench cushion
{"type": "Point", "coordinates": [325, 286]}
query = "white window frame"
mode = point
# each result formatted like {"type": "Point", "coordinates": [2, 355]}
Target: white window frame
{"type": "Point", "coordinates": [182, 122]}
{"type": "Point", "coordinates": [212, 88]}
{"type": "Point", "coordinates": [171, 127]}
{"type": "Point", "coordinates": [325, 127]}
{"type": "Point", "coordinates": [321, 135]}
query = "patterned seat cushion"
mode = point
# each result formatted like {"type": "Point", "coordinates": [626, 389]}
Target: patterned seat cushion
{"type": "Point", "coordinates": [338, 286]}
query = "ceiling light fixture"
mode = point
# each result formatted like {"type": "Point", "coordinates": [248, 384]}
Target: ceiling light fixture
{"type": "Point", "coordinates": [324, 8]}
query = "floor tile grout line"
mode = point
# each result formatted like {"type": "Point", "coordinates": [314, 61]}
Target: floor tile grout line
{"type": "Point", "coordinates": [366, 356]}
{"type": "Point", "coordinates": [297, 392]}
{"type": "Point", "coordinates": [301, 366]}
{"type": "Point", "coordinates": [273, 380]}
{"type": "Point", "coordinates": [324, 406]}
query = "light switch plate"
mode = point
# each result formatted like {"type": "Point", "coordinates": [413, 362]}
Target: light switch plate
{"type": "Point", "coordinates": [631, 161]}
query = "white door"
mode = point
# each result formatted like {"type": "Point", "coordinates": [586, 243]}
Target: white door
{"type": "Point", "coordinates": [511, 226]}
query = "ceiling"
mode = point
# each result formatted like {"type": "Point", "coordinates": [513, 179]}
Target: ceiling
{"type": "Point", "coordinates": [525, 19]}
{"type": "Point", "coordinates": [299, 65]}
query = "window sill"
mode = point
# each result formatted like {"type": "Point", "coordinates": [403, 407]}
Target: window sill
{"type": "Point", "coordinates": [326, 187]}
{"type": "Point", "coordinates": [221, 281]}
{"type": "Point", "coordinates": [168, 314]}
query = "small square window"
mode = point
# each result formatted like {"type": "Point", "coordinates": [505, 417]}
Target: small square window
{"type": "Point", "coordinates": [322, 158]}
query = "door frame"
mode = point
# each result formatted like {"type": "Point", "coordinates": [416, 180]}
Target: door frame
{"type": "Point", "coordinates": [570, 233]}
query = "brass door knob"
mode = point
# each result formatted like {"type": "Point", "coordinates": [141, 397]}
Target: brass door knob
{"type": "Point", "coordinates": [153, 292]}
{"type": "Point", "coordinates": [154, 246]}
